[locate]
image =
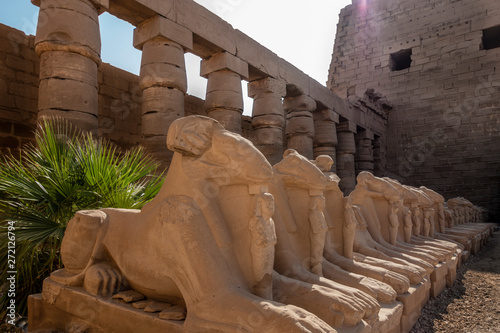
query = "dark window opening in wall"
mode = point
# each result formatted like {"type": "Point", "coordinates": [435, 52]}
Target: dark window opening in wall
{"type": "Point", "coordinates": [400, 60]}
{"type": "Point", "coordinates": [491, 38]}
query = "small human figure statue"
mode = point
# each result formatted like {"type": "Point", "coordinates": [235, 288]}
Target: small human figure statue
{"type": "Point", "coordinates": [317, 233]}
{"type": "Point", "coordinates": [408, 224]}
{"type": "Point", "coordinates": [263, 241]}
{"type": "Point", "coordinates": [393, 221]}
{"type": "Point", "coordinates": [417, 222]}
{"type": "Point", "coordinates": [349, 229]}
{"type": "Point", "coordinates": [441, 218]}
{"type": "Point", "coordinates": [432, 222]}
{"type": "Point", "coordinates": [427, 222]}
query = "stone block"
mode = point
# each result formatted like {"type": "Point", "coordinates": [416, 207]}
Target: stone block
{"type": "Point", "coordinates": [24, 90]}
{"type": "Point", "coordinates": [161, 27]}
{"type": "Point", "coordinates": [326, 115]}
{"type": "Point", "coordinates": [68, 65]}
{"type": "Point", "coordinates": [77, 27]}
{"type": "Point", "coordinates": [163, 100]}
{"type": "Point", "coordinates": [299, 103]}
{"type": "Point", "coordinates": [269, 136]}
{"type": "Point", "coordinates": [72, 304]}
{"type": "Point", "coordinates": [302, 144]}
{"type": "Point", "coordinates": [326, 133]}
{"type": "Point", "coordinates": [85, 121]}
{"type": "Point", "coordinates": [438, 279]}
{"type": "Point", "coordinates": [296, 80]}
{"type": "Point", "coordinates": [262, 61]}
{"type": "Point", "coordinates": [67, 95]}
{"type": "Point", "coordinates": [267, 105]}
{"type": "Point", "coordinates": [229, 118]}
{"type": "Point", "coordinates": [265, 86]}
{"type": "Point", "coordinates": [27, 104]}
{"type": "Point", "coordinates": [6, 100]}
{"type": "Point", "coordinates": [268, 120]}
{"type": "Point", "coordinates": [162, 51]}
{"type": "Point", "coordinates": [163, 75]}
{"type": "Point", "coordinates": [224, 80]}
{"type": "Point", "coordinates": [19, 64]}
{"type": "Point", "coordinates": [215, 33]}
{"type": "Point", "coordinates": [224, 61]}
{"type": "Point", "coordinates": [389, 318]}
{"type": "Point", "coordinates": [224, 99]}
{"type": "Point", "coordinates": [157, 124]}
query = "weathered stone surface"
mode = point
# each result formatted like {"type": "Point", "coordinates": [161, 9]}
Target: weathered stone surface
{"type": "Point", "coordinates": [224, 61]}
{"type": "Point", "coordinates": [129, 296]}
{"type": "Point", "coordinates": [164, 28]}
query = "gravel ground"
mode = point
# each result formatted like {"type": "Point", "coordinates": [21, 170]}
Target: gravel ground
{"type": "Point", "coordinates": [472, 305]}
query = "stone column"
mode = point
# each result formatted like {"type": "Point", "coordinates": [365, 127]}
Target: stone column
{"type": "Point", "coordinates": [68, 43]}
{"type": "Point", "coordinates": [325, 141]}
{"type": "Point", "coordinates": [300, 124]}
{"type": "Point", "coordinates": [162, 79]}
{"type": "Point", "coordinates": [268, 117]}
{"type": "Point", "coordinates": [224, 99]}
{"type": "Point", "coordinates": [346, 149]}
{"type": "Point", "coordinates": [364, 151]}
{"type": "Point", "coordinates": [379, 157]}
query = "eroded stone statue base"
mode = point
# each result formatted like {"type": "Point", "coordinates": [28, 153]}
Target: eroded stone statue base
{"type": "Point", "coordinates": [72, 309]}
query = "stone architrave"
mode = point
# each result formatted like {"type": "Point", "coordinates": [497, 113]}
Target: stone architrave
{"type": "Point", "coordinates": [68, 43]}
{"type": "Point", "coordinates": [162, 79]}
{"type": "Point", "coordinates": [224, 97]}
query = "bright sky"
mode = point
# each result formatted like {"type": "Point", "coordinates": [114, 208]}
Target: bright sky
{"type": "Point", "coordinates": [302, 32]}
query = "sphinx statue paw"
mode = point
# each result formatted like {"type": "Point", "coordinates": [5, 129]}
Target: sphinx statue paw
{"type": "Point", "coordinates": [399, 282]}
{"type": "Point", "coordinates": [253, 314]}
{"type": "Point", "coordinates": [102, 280]}
{"type": "Point", "coordinates": [382, 291]}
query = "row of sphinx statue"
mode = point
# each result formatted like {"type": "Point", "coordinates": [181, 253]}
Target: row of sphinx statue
{"type": "Point", "coordinates": [242, 246]}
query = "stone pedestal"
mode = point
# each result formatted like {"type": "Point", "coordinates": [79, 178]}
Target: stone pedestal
{"type": "Point", "coordinates": [224, 98]}
{"type": "Point", "coordinates": [389, 318]}
{"type": "Point", "coordinates": [325, 138]}
{"type": "Point", "coordinates": [268, 117]}
{"type": "Point", "coordinates": [162, 79]}
{"type": "Point", "coordinates": [300, 124]}
{"type": "Point", "coordinates": [69, 46]}
{"type": "Point", "coordinates": [451, 275]}
{"type": "Point", "coordinates": [346, 149]}
{"type": "Point", "coordinates": [413, 302]}
{"type": "Point", "coordinates": [438, 279]}
{"type": "Point", "coordinates": [72, 309]}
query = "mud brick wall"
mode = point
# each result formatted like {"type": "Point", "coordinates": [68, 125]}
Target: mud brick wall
{"type": "Point", "coordinates": [119, 96]}
{"type": "Point", "coordinates": [444, 129]}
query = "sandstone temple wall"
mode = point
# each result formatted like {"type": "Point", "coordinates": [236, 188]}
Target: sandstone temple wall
{"type": "Point", "coordinates": [437, 64]}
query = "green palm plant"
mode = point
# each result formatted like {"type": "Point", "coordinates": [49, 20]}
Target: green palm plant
{"type": "Point", "coordinates": [40, 191]}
